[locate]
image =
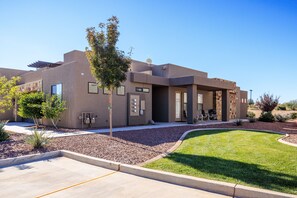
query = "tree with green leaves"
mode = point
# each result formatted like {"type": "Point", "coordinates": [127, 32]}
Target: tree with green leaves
{"type": "Point", "coordinates": [8, 91]}
{"type": "Point", "coordinates": [30, 106]}
{"type": "Point", "coordinates": [107, 63]}
{"type": "Point", "coordinates": [52, 108]}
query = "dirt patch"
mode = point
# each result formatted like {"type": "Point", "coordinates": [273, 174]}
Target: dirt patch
{"type": "Point", "coordinates": [131, 147]}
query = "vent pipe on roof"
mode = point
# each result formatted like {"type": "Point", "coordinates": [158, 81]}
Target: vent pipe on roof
{"type": "Point", "coordinates": [149, 61]}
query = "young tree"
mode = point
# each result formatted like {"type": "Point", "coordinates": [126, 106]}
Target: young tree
{"type": "Point", "coordinates": [30, 106]}
{"type": "Point", "coordinates": [52, 108]}
{"type": "Point", "coordinates": [8, 91]}
{"type": "Point", "coordinates": [107, 63]}
{"type": "Point", "coordinates": [267, 102]}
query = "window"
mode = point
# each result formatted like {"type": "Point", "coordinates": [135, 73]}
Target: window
{"type": "Point", "coordinates": [142, 89]}
{"type": "Point", "coordinates": [92, 88]}
{"type": "Point", "coordinates": [200, 103]}
{"type": "Point", "coordinates": [146, 90]}
{"type": "Point", "coordinates": [121, 90]}
{"type": "Point", "coordinates": [57, 90]}
{"type": "Point", "coordinates": [106, 91]}
{"type": "Point", "coordinates": [177, 105]}
{"type": "Point", "coordinates": [139, 89]}
{"type": "Point", "coordinates": [185, 104]}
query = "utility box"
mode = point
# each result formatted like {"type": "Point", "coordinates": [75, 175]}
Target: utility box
{"type": "Point", "coordinates": [136, 109]}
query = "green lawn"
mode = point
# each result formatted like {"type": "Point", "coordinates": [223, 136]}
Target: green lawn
{"type": "Point", "coordinates": [250, 158]}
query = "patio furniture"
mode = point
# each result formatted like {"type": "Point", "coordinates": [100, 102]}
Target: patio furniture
{"type": "Point", "coordinates": [212, 114]}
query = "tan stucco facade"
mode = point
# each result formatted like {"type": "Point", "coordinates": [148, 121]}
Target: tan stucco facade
{"type": "Point", "coordinates": [155, 86]}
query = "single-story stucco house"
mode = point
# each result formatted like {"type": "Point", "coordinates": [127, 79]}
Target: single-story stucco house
{"type": "Point", "coordinates": [162, 93]}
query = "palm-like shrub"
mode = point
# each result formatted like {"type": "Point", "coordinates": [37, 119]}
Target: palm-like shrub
{"type": "Point", "coordinates": [38, 139]}
{"type": "Point", "coordinates": [3, 134]}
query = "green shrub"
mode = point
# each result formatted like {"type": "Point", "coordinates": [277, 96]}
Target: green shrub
{"type": "Point", "coordinates": [38, 139]}
{"type": "Point", "coordinates": [281, 118]}
{"type": "Point", "coordinates": [252, 120]}
{"type": "Point", "coordinates": [266, 117]}
{"type": "Point", "coordinates": [293, 116]}
{"type": "Point", "coordinates": [238, 122]}
{"type": "Point", "coordinates": [30, 106]}
{"type": "Point", "coordinates": [250, 114]}
{"type": "Point", "coordinates": [3, 134]}
{"type": "Point", "coordinates": [281, 107]}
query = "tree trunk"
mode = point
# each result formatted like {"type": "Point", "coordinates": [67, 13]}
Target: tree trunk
{"type": "Point", "coordinates": [54, 123]}
{"type": "Point", "coordinates": [15, 110]}
{"type": "Point", "coordinates": [110, 113]}
{"type": "Point", "coordinates": [36, 122]}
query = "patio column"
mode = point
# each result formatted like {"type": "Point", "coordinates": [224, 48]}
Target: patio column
{"type": "Point", "coordinates": [225, 105]}
{"type": "Point", "coordinates": [191, 103]}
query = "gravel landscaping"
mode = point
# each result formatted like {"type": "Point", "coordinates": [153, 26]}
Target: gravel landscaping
{"type": "Point", "coordinates": [131, 147]}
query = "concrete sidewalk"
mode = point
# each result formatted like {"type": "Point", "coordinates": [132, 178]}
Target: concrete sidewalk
{"type": "Point", "coordinates": [24, 128]}
{"type": "Point", "coordinates": [64, 177]}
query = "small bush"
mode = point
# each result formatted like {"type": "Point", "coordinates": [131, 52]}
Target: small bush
{"type": "Point", "coordinates": [38, 139]}
{"type": "Point", "coordinates": [293, 116]}
{"type": "Point", "coordinates": [252, 120]}
{"type": "Point", "coordinates": [238, 122]}
{"type": "Point", "coordinates": [281, 118]}
{"type": "Point", "coordinates": [281, 107]}
{"type": "Point", "coordinates": [250, 114]}
{"type": "Point", "coordinates": [3, 134]}
{"type": "Point", "coordinates": [266, 117]}
{"type": "Point", "coordinates": [195, 120]}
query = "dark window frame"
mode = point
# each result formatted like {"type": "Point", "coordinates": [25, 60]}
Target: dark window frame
{"type": "Point", "coordinates": [89, 88]}
{"type": "Point", "coordinates": [55, 85]}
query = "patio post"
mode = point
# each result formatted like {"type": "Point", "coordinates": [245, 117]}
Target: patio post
{"type": "Point", "coordinates": [191, 103]}
{"type": "Point", "coordinates": [225, 105]}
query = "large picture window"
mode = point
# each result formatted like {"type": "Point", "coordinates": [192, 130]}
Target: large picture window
{"type": "Point", "coordinates": [92, 88]}
{"type": "Point", "coordinates": [121, 90]}
{"type": "Point", "coordinates": [57, 90]}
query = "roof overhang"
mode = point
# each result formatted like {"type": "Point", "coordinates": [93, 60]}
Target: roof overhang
{"type": "Point", "coordinates": [202, 83]}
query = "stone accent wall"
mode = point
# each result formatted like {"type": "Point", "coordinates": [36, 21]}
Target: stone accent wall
{"type": "Point", "coordinates": [232, 114]}
{"type": "Point", "coordinates": [219, 104]}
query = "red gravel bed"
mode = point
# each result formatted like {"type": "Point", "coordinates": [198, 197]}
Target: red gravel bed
{"type": "Point", "coordinates": [131, 147]}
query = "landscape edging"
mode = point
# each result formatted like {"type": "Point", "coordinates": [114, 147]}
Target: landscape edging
{"type": "Point", "coordinates": [29, 158]}
{"type": "Point", "coordinates": [180, 140]}
{"type": "Point", "coordinates": [224, 188]}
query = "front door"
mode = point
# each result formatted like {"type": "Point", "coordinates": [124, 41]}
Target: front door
{"type": "Point", "coordinates": [180, 106]}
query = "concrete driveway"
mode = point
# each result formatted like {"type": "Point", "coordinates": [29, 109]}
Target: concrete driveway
{"type": "Point", "coordinates": [64, 177]}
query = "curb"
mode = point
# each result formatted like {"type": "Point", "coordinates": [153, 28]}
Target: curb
{"type": "Point", "coordinates": [285, 142]}
{"type": "Point", "coordinates": [91, 160]}
{"type": "Point", "coordinates": [223, 188]}
{"type": "Point", "coordinates": [29, 158]}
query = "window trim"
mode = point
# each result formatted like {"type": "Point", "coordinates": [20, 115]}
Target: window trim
{"type": "Point", "coordinates": [56, 90]}
{"type": "Point", "coordinates": [106, 93]}
{"type": "Point", "coordinates": [117, 93]}
{"type": "Point", "coordinates": [89, 88]}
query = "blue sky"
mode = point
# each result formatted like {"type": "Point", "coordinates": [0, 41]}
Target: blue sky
{"type": "Point", "coordinates": [251, 42]}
